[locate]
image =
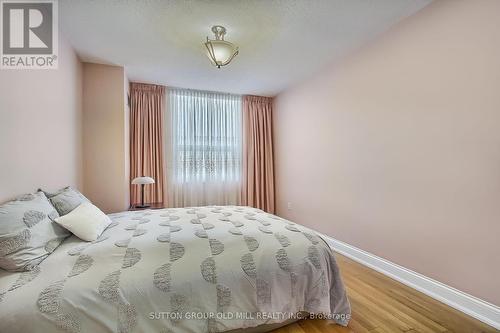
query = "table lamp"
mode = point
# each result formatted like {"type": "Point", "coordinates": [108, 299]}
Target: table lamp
{"type": "Point", "coordinates": [143, 181]}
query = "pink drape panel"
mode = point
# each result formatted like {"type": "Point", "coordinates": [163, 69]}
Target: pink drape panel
{"type": "Point", "coordinates": [258, 166]}
{"type": "Point", "coordinates": [146, 141]}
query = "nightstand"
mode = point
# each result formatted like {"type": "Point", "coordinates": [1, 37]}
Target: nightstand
{"type": "Point", "coordinates": [157, 205]}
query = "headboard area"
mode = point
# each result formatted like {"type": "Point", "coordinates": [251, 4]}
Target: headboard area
{"type": "Point", "coordinates": [40, 127]}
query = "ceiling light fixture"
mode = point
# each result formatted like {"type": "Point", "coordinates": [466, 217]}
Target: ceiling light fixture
{"type": "Point", "coordinates": [219, 51]}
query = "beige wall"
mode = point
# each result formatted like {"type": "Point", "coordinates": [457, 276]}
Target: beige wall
{"type": "Point", "coordinates": [396, 150]}
{"type": "Point", "coordinates": [105, 137]}
{"type": "Point", "coordinates": [40, 127]}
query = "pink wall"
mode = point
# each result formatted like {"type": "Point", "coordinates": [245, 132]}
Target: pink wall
{"type": "Point", "coordinates": [105, 137]}
{"type": "Point", "coordinates": [40, 127]}
{"type": "Point", "coordinates": [66, 127]}
{"type": "Point", "coordinates": [396, 150]}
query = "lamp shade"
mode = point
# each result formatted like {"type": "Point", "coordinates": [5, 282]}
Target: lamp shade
{"type": "Point", "coordinates": [143, 180]}
{"type": "Point", "coordinates": [220, 52]}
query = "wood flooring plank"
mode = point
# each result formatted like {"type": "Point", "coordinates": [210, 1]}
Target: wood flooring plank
{"type": "Point", "coordinates": [412, 318]}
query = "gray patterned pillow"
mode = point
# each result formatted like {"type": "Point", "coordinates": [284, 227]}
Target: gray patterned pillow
{"type": "Point", "coordinates": [28, 233]}
{"type": "Point", "coordinates": [66, 199]}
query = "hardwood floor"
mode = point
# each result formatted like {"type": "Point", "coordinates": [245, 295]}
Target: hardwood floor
{"type": "Point", "coordinates": [380, 304]}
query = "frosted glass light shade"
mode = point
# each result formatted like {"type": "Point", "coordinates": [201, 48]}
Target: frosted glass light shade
{"type": "Point", "coordinates": [143, 180]}
{"type": "Point", "coordinates": [220, 52]}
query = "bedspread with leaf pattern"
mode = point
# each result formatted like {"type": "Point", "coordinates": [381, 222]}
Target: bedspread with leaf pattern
{"type": "Point", "coordinates": [202, 269]}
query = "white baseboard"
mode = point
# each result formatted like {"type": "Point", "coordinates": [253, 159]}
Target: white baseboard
{"type": "Point", "coordinates": [470, 305]}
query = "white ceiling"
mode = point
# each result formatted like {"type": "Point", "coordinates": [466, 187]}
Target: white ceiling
{"type": "Point", "coordinates": [280, 41]}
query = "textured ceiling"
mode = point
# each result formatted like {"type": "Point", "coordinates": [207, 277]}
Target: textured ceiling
{"type": "Point", "coordinates": [280, 41]}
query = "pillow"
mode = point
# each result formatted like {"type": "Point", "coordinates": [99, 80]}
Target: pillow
{"type": "Point", "coordinates": [66, 199]}
{"type": "Point", "coordinates": [86, 221]}
{"type": "Point", "coordinates": [27, 232]}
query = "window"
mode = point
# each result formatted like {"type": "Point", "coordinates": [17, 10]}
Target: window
{"type": "Point", "coordinates": [206, 146]}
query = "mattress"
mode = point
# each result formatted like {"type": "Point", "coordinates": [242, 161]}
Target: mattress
{"type": "Point", "coordinates": [201, 269]}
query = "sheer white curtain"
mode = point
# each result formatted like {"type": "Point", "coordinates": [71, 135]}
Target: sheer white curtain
{"type": "Point", "coordinates": [204, 148]}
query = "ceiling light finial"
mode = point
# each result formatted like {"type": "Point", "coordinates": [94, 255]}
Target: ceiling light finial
{"type": "Point", "coordinates": [219, 32]}
{"type": "Point", "coordinates": [219, 51]}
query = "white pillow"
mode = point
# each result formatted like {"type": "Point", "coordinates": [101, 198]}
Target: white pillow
{"type": "Point", "coordinates": [85, 221]}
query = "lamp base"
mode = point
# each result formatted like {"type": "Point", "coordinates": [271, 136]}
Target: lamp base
{"type": "Point", "coordinates": [142, 206]}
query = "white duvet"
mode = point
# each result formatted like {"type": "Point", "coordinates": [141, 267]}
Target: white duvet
{"type": "Point", "coordinates": [206, 269]}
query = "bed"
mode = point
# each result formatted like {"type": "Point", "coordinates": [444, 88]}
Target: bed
{"type": "Point", "coordinates": [202, 269]}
